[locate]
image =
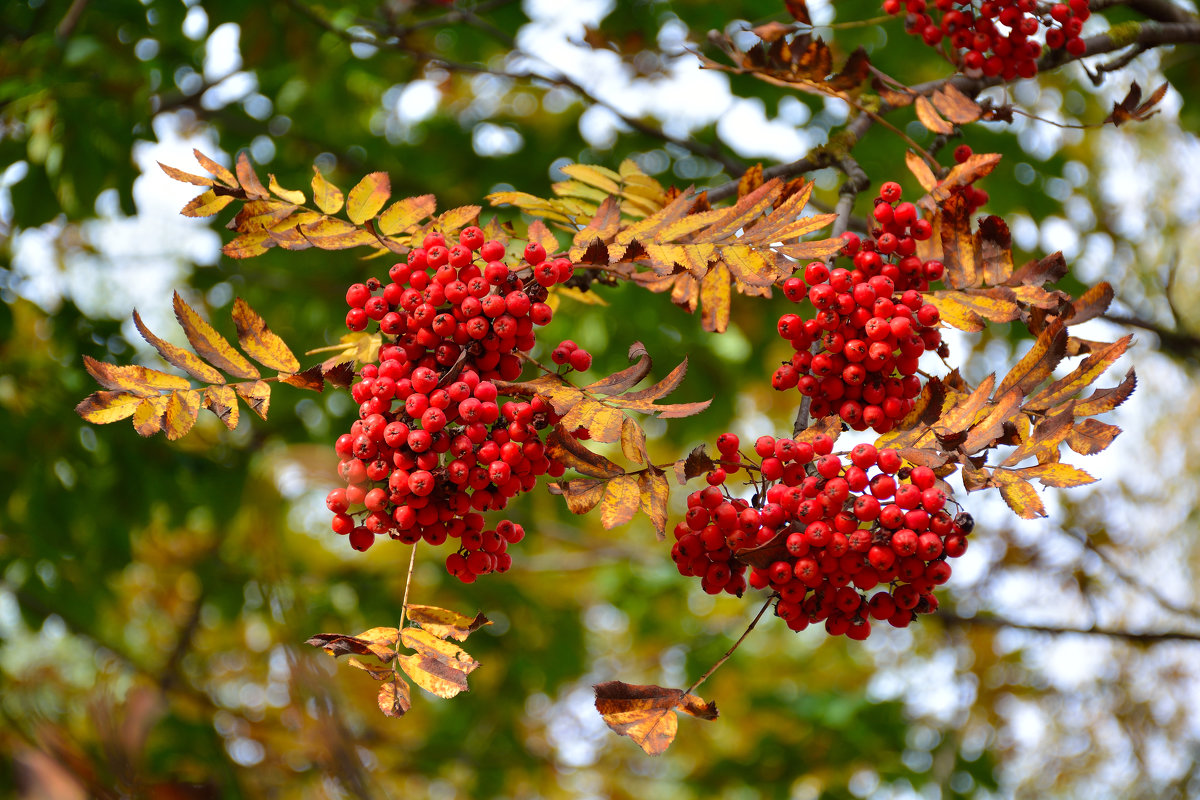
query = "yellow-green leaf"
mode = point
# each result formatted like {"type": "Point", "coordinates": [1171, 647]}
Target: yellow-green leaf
{"type": "Point", "coordinates": [367, 197]}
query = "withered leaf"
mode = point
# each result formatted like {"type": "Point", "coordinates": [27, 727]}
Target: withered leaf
{"type": "Point", "coordinates": [222, 174]}
{"type": "Point", "coordinates": [444, 623]}
{"type": "Point", "coordinates": [627, 378]}
{"type": "Point", "coordinates": [263, 345]}
{"type": "Point", "coordinates": [312, 378]}
{"type": "Point", "coordinates": [633, 441]}
{"type": "Point", "coordinates": [249, 182]}
{"type": "Point", "coordinates": [256, 394]}
{"type": "Point", "coordinates": [920, 170]}
{"type": "Point", "coordinates": [1019, 493]}
{"type": "Point", "coordinates": [954, 105]}
{"type": "Point", "coordinates": [1130, 108]}
{"type": "Point", "coordinates": [205, 205]}
{"type": "Point", "coordinates": [646, 713]}
{"type": "Point", "coordinates": [1043, 441]}
{"type": "Point", "coordinates": [185, 177]}
{"type": "Point", "coordinates": [962, 415]}
{"type": "Point", "coordinates": [1104, 400]}
{"type": "Point", "coordinates": [1037, 365]}
{"type": "Point", "coordinates": [378, 642]}
{"type": "Point", "coordinates": [1092, 303]}
{"type": "Point", "coordinates": [1081, 377]}
{"type": "Point", "coordinates": [581, 494]}
{"type": "Point", "coordinates": [601, 421]}
{"type": "Point", "coordinates": [654, 492]}
{"type": "Point", "coordinates": [1057, 474]}
{"type": "Point", "coordinates": [222, 401]}
{"type": "Point", "coordinates": [148, 416]}
{"type": "Point", "coordinates": [438, 666]}
{"type": "Point", "coordinates": [394, 699]}
{"type": "Point", "coordinates": [565, 448]}
{"type": "Point", "coordinates": [698, 462]}
{"type": "Point", "coordinates": [1091, 436]}
{"type": "Point", "coordinates": [930, 118]}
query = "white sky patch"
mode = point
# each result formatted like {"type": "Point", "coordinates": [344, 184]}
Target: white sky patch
{"type": "Point", "coordinates": [492, 141]}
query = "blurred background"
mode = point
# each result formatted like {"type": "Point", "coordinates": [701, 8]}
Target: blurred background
{"type": "Point", "coordinates": [155, 596]}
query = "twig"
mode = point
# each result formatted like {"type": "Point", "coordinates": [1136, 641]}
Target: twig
{"type": "Point", "coordinates": [731, 650]}
{"type": "Point", "coordinates": [1161, 10]}
{"type": "Point", "coordinates": [1179, 341]}
{"type": "Point", "coordinates": [1143, 637]}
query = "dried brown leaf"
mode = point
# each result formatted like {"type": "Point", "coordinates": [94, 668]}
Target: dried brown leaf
{"type": "Point", "coordinates": [394, 699]}
{"type": "Point", "coordinates": [646, 714]}
{"type": "Point", "coordinates": [1091, 436]}
{"type": "Point", "coordinates": [259, 341]}
{"type": "Point", "coordinates": [444, 623]}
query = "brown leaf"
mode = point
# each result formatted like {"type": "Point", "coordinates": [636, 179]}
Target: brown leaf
{"type": "Point", "coordinates": [654, 492]}
{"type": "Point", "coordinates": [627, 378]}
{"type": "Point", "coordinates": [1102, 401]}
{"type": "Point", "coordinates": [1091, 436]}
{"type": "Point", "coordinates": [394, 700]}
{"type": "Point", "coordinates": [257, 396]}
{"type": "Point", "coordinates": [602, 227]}
{"type": "Point", "coordinates": [209, 344]}
{"type": "Point", "coordinates": [444, 623]}
{"type": "Point", "coordinates": [621, 499]}
{"type": "Point", "coordinates": [1019, 493]}
{"type": "Point", "coordinates": [960, 249]}
{"type": "Point", "coordinates": [829, 426]}
{"type": "Point", "coordinates": [799, 11]}
{"type": "Point", "coordinates": [697, 463]}
{"type": "Point", "coordinates": [565, 448]}
{"type": "Point", "coordinates": [102, 408]}
{"type": "Point", "coordinates": [328, 197]}
{"type": "Point", "coordinates": [185, 177]}
{"type": "Point", "coordinates": [646, 714]}
{"type": "Point", "coordinates": [367, 197]}
{"type": "Point", "coordinates": [995, 250]}
{"type": "Point", "coordinates": [985, 432]}
{"type": "Point", "coordinates": [133, 378]}
{"type": "Point", "coordinates": [539, 233]}
{"type": "Point", "coordinates": [1050, 269]}
{"type": "Point", "coordinates": [181, 412]}
{"type": "Point", "coordinates": [221, 173]}
{"type": "Point", "coordinates": [259, 341]}
{"type": "Point", "coordinates": [1130, 109]}
{"type": "Point", "coordinates": [954, 105]}
{"type": "Point", "coordinates": [378, 642]}
{"type": "Point", "coordinates": [248, 180]}
{"type": "Point", "coordinates": [1043, 441]}
{"type": "Point", "coordinates": [1092, 303]}
{"type": "Point", "coordinates": [930, 118]}
{"type": "Point", "coordinates": [312, 379]}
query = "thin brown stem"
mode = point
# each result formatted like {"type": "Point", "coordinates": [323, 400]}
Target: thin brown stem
{"type": "Point", "coordinates": [696, 683]}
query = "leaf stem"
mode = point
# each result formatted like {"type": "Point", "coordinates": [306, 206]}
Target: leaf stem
{"type": "Point", "coordinates": [731, 650]}
{"type": "Point", "coordinates": [412, 562]}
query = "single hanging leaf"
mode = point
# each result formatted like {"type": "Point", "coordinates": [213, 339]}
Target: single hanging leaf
{"type": "Point", "coordinates": [181, 412]}
{"type": "Point", "coordinates": [312, 379]}
{"type": "Point", "coordinates": [328, 197]}
{"type": "Point", "coordinates": [209, 344]}
{"type": "Point", "coordinates": [446, 624]}
{"type": "Point", "coordinates": [222, 174]}
{"type": "Point", "coordinates": [697, 463]}
{"type": "Point", "coordinates": [133, 378]}
{"type": "Point", "coordinates": [248, 180]}
{"type": "Point", "coordinates": [367, 198]}
{"type": "Point", "coordinates": [1092, 303]}
{"type": "Point", "coordinates": [101, 408]}
{"type": "Point", "coordinates": [647, 714]}
{"type": "Point", "coordinates": [290, 195]}
{"type": "Point", "coordinates": [394, 700]}
{"type": "Point", "coordinates": [654, 492]}
{"type": "Point", "coordinates": [621, 499]}
{"type": "Point", "coordinates": [259, 341]}
{"type": "Point", "coordinates": [1130, 109]}
{"type": "Point", "coordinates": [177, 356]}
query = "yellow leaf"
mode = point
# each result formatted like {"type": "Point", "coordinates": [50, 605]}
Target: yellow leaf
{"type": "Point", "coordinates": [209, 344]}
{"type": "Point", "coordinates": [539, 233]}
{"type": "Point", "coordinates": [102, 408]}
{"type": "Point", "coordinates": [222, 401]}
{"type": "Point", "coordinates": [445, 623]}
{"type": "Point", "coordinates": [621, 499]}
{"type": "Point", "coordinates": [185, 177]}
{"type": "Point", "coordinates": [330, 233]}
{"type": "Point", "coordinates": [292, 196]}
{"type": "Point", "coordinates": [451, 221]}
{"type": "Point", "coordinates": [221, 173]}
{"type": "Point", "coordinates": [394, 699]}
{"type": "Point", "coordinates": [367, 198]}
{"type": "Point", "coordinates": [601, 421]}
{"type": "Point", "coordinates": [328, 197]}
{"type": "Point", "coordinates": [920, 170]}
{"type": "Point", "coordinates": [633, 441]}
{"type": "Point", "coordinates": [1019, 493]}
{"type": "Point", "coordinates": [133, 378]}
{"type": "Point", "coordinates": [257, 396]}
{"type": "Point", "coordinates": [404, 215]}
{"type": "Point", "coordinates": [177, 356]}
{"type": "Point", "coordinates": [148, 416]}
{"type": "Point", "coordinates": [206, 205]}
{"type": "Point", "coordinates": [654, 492]}
{"type": "Point", "coordinates": [259, 341]}
{"type": "Point", "coordinates": [716, 299]}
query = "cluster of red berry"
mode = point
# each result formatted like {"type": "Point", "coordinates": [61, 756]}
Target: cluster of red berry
{"type": "Point", "coordinates": [871, 324]}
{"type": "Point", "coordinates": [822, 530]}
{"type": "Point", "coordinates": [434, 444]}
{"type": "Point", "coordinates": [996, 37]}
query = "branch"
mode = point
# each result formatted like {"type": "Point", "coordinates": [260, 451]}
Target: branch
{"type": "Point", "coordinates": [1161, 10]}
{"type": "Point", "coordinates": [1144, 637]}
{"type": "Point", "coordinates": [1180, 342]}
{"type": "Point", "coordinates": [735, 646]}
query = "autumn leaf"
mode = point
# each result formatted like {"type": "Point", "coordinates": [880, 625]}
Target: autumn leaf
{"type": "Point", "coordinates": [367, 197]}
{"type": "Point", "coordinates": [249, 182]}
{"type": "Point", "coordinates": [930, 118]}
{"type": "Point", "coordinates": [647, 713]}
{"type": "Point", "coordinates": [209, 344]}
{"type": "Point", "coordinates": [437, 666]}
{"type": "Point", "coordinates": [328, 197]}
{"type": "Point", "coordinates": [259, 341]}
{"type": "Point", "coordinates": [394, 700]}
{"type": "Point", "coordinates": [222, 401]}
{"type": "Point", "coordinates": [445, 623]}
{"type": "Point", "coordinates": [222, 174]}
{"type": "Point", "coordinates": [206, 205]}
{"type": "Point", "coordinates": [627, 378]}
{"type": "Point", "coordinates": [1130, 107]}
{"type": "Point", "coordinates": [1091, 436]}
{"type": "Point", "coordinates": [133, 378]}
{"type": "Point", "coordinates": [256, 394]}
{"type": "Point", "coordinates": [180, 413]}
{"type": "Point", "coordinates": [404, 215]}
{"type": "Point", "coordinates": [1019, 493]}
{"type": "Point", "coordinates": [378, 642]}
{"type": "Point", "coordinates": [101, 408]}
{"type": "Point", "coordinates": [655, 489]}
{"type": "Point", "coordinates": [621, 499]}
{"type": "Point", "coordinates": [581, 494]}
{"type": "Point", "coordinates": [697, 463]}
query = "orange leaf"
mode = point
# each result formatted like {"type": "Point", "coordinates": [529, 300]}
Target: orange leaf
{"type": "Point", "coordinates": [633, 441]}
{"type": "Point", "coordinates": [1036, 365]}
{"type": "Point", "coordinates": [221, 173]}
{"type": "Point", "coordinates": [1081, 377]}
{"type": "Point", "coordinates": [102, 408]}
{"type": "Point", "coordinates": [930, 118]}
{"type": "Point", "coordinates": [1092, 303]}
{"type": "Point", "coordinates": [985, 432]}
{"type": "Point", "coordinates": [259, 341]}
{"type": "Point", "coordinates": [627, 378]}
{"type": "Point", "coordinates": [378, 642]}
{"type": "Point", "coordinates": [954, 105]}
{"type": "Point", "coordinates": [995, 250]}
{"type": "Point", "coordinates": [444, 623]}
{"type": "Point", "coordinates": [715, 299]}
{"type": "Point", "coordinates": [1043, 441]}
{"type": "Point", "coordinates": [920, 170]}
{"type": "Point", "coordinates": [248, 180]}
{"type": "Point", "coordinates": [960, 249]}
{"type": "Point", "coordinates": [148, 416]}
{"type": "Point", "coordinates": [133, 378]}
{"type": "Point", "coordinates": [753, 178]}
{"type": "Point", "coordinates": [539, 233]}
{"type": "Point", "coordinates": [581, 494]}
{"type": "Point", "coordinates": [394, 700]}
{"type": "Point", "coordinates": [1050, 269]}
{"type": "Point", "coordinates": [222, 401]}
{"type": "Point", "coordinates": [312, 379]}
{"type": "Point", "coordinates": [209, 344]}
{"type": "Point", "coordinates": [328, 197]}
{"type": "Point", "coordinates": [367, 197]}
{"type": "Point", "coordinates": [646, 714]}
{"type": "Point", "coordinates": [1104, 400]}
{"type": "Point", "coordinates": [962, 415]}
{"type": "Point", "coordinates": [620, 503]}
{"type": "Point", "coordinates": [601, 421]}
{"type": "Point", "coordinates": [565, 448]}
{"type": "Point", "coordinates": [185, 177]}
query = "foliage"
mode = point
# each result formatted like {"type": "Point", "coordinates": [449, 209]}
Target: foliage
{"type": "Point", "coordinates": [201, 586]}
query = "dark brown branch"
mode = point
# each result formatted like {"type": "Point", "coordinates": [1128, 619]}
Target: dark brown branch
{"type": "Point", "coordinates": [1161, 10]}
{"type": "Point", "coordinates": [1137, 637]}
{"type": "Point", "coordinates": [1175, 341]}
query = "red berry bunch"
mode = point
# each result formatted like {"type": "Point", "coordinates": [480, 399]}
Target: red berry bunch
{"type": "Point", "coordinates": [857, 357]}
{"type": "Point", "coordinates": [572, 355]}
{"type": "Point", "coordinates": [823, 530]}
{"type": "Point", "coordinates": [434, 444]}
{"type": "Point", "coordinates": [996, 37]}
